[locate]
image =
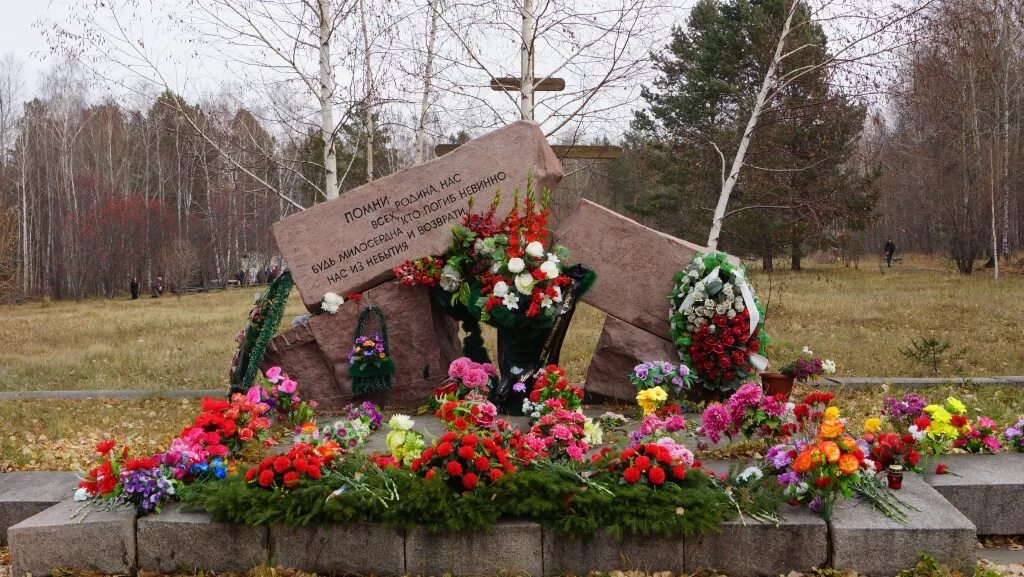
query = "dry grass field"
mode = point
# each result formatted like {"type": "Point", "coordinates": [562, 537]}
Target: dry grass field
{"type": "Point", "coordinates": [859, 318]}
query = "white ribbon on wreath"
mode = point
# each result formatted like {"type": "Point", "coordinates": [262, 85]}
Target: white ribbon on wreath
{"type": "Point", "coordinates": [759, 362]}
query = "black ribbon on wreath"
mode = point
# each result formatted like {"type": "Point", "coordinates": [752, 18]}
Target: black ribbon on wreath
{"type": "Point", "coordinates": [372, 376]}
{"type": "Point", "coordinates": [525, 349]}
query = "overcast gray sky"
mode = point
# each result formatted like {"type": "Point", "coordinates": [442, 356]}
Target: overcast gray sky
{"type": "Point", "coordinates": [19, 36]}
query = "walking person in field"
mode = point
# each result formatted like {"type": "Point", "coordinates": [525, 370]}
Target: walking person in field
{"type": "Point", "coordinates": [134, 288]}
{"type": "Point", "coordinates": [890, 249]}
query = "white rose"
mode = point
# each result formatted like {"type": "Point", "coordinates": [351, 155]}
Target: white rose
{"type": "Point", "coordinates": [535, 249]}
{"type": "Point", "coordinates": [451, 279]}
{"type": "Point", "coordinates": [516, 265]}
{"type": "Point", "coordinates": [550, 269]}
{"type": "Point", "coordinates": [524, 283]}
{"type": "Point", "coordinates": [501, 289]}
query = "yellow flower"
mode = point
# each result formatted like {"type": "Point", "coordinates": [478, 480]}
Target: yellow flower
{"type": "Point", "coordinates": [938, 413]}
{"type": "Point", "coordinates": [831, 413]}
{"type": "Point", "coordinates": [954, 406]}
{"type": "Point", "coordinates": [942, 429]}
{"type": "Point", "coordinates": [650, 399]}
{"type": "Point", "coordinates": [872, 425]}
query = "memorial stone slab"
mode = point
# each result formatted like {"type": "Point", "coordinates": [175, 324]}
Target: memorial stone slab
{"type": "Point", "coordinates": [987, 489]}
{"type": "Point", "coordinates": [511, 548]}
{"type": "Point", "coordinates": [621, 347]}
{"type": "Point", "coordinates": [101, 541]}
{"type": "Point", "coordinates": [26, 493]}
{"type": "Point", "coordinates": [348, 549]}
{"type": "Point", "coordinates": [634, 264]}
{"type": "Point", "coordinates": [423, 342]}
{"type": "Point", "coordinates": [602, 552]}
{"type": "Point", "coordinates": [866, 541]}
{"type": "Point", "coordinates": [177, 539]}
{"type": "Point", "coordinates": [351, 243]}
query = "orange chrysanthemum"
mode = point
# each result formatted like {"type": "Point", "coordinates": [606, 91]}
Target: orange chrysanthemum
{"type": "Point", "coordinates": [848, 464]}
{"type": "Point", "coordinates": [830, 450]}
{"type": "Point", "coordinates": [803, 462]}
{"type": "Point", "coordinates": [831, 429]}
{"type": "Point", "coordinates": [847, 442]}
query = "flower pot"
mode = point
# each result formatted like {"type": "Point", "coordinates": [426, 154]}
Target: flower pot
{"type": "Point", "coordinates": [777, 384]}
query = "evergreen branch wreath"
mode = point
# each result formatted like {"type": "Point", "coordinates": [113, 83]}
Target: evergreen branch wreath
{"type": "Point", "coordinates": [265, 317]}
{"type": "Point", "coordinates": [713, 306]}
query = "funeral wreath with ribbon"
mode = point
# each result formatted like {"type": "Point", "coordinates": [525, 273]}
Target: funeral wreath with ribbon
{"type": "Point", "coordinates": [717, 322]}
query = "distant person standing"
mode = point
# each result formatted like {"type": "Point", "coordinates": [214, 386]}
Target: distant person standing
{"type": "Point", "coordinates": [890, 249]}
{"type": "Point", "coordinates": [134, 288]}
{"type": "Point", "coordinates": [157, 288]}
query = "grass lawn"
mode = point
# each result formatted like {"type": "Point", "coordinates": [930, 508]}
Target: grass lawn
{"type": "Point", "coordinates": [859, 318]}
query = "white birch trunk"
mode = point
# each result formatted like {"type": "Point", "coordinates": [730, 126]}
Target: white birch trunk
{"type": "Point", "coordinates": [755, 115]}
{"type": "Point", "coordinates": [326, 99]}
{"type": "Point", "coordinates": [428, 72]}
{"type": "Point", "coordinates": [368, 80]}
{"type": "Point", "coordinates": [526, 104]}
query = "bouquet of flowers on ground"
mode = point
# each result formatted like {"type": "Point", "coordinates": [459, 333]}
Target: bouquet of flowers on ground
{"type": "Point", "coordinates": [671, 378]}
{"type": "Point", "coordinates": [1014, 435]}
{"type": "Point", "coordinates": [121, 480]}
{"type": "Point", "coordinates": [902, 412]}
{"type": "Point", "coordinates": [551, 391]}
{"type": "Point", "coordinates": [404, 443]}
{"type": "Point", "coordinates": [894, 449]}
{"type": "Point", "coordinates": [938, 427]}
{"type": "Point", "coordinates": [981, 436]}
{"type": "Point", "coordinates": [652, 464]}
{"type": "Point", "coordinates": [717, 322]}
{"type": "Point", "coordinates": [464, 377]}
{"type": "Point", "coordinates": [464, 462]}
{"type": "Point", "coordinates": [288, 471]}
{"type": "Point", "coordinates": [748, 412]}
{"type": "Point", "coordinates": [241, 420]}
{"type": "Point", "coordinates": [821, 467]}
{"type": "Point", "coordinates": [563, 434]}
{"type": "Point", "coordinates": [352, 428]}
{"type": "Point", "coordinates": [471, 413]}
{"type": "Point", "coordinates": [808, 367]}
{"type": "Point", "coordinates": [281, 394]}
{"type": "Point", "coordinates": [654, 426]}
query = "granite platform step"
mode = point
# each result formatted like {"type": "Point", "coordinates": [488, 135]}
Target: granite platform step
{"type": "Point", "coordinates": [177, 539]}
{"type": "Point", "coordinates": [987, 489]}
{"type": "Point", "coordinates": [27, 493]}
{"type": "Point", "coordinates": [66, 537]}
{"type": "Point", "coordinates": [872, 544]}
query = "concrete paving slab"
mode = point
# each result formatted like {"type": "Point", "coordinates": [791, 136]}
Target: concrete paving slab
{"type": "Point", "coordinates": [512, 548]}
{"type": "Point", "coordinates": [358, 548]}
{"type": "Point", "coordinates": [27, 493]}
{"type": "Point", "coordinates": [175, 539]}
{"type": "Point", "coordinates": [987, 489]}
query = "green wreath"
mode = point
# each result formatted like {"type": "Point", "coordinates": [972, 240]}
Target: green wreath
{"type": "Point", "coordinates": [712, 308]}
{"type": "Point", "coordinates": [264, 319]}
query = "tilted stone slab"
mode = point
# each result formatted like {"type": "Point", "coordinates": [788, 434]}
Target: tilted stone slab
{"type": "Point", "coordinates": [358, 548]}
{"type": "Point", "coordinates": [98, 541]}
{"type": "Point", "coordinates": [634, 264]}
{"type": "Point", "coordinates": [987, 489]}
{"type": "Point", "coordinates": [622, 347]}
{"type": "Point", "coordinates": [513, 547]}
{"type": "Point", "coordinates": [26, 493]}
{"type": "Point", "coordinates": [189, 540]}
{"type": "Point", "coordinates": [351, 243]}
{"type": "Point", "coordinates": [872, 544]}
{"type": "Point", "coordinates": [423, 342]}
{"type": "Point", "coordinates": [602, 552]}
{"type": "Point", "coordinates": [749, 548]}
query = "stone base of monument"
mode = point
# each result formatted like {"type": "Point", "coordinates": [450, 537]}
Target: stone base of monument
{"type": "Point", "coordinates": [189, 540]}
{"type": "Point", "coordinates": [512, 548]}
{"type": "Point", "coordinates": [27, 493]}
{"type": "Point", "coordinates": [423, 342]}
{"type": "Point", "coordinates": [100, 541]}
{"type": "Point", "coordinates": [870, 543]}
{"type": "Point", "coordinates": [358, 548]}
{"type": "Point", "coordinates": [621, 347]}
{"type": "Point", "coordinates": [987, 489]}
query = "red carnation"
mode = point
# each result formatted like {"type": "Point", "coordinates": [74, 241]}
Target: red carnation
{"type": "Point", "coordinates": [469, 481]}
{"type": "Point", "coordinates": [913, 458]}
{"type": "Point", "coordinates": [266, 478]}
{"type": "Point", "coordinates": [460, 424]}
{"type": "Point", "coordinates": [823, 481]}
{"type": "Point", "coordinates": [454, 468]}
{"type": "Point", "coordinates": [958, 421]}
{"type": "Point", "coordinates": [642, 462]}
{"type": "Point", "coordinates": [482, 463]}
{"type": "Point", "coordinates": [679, 472]}
{"type": "Point", "coordinates": [467, 453]}
{"type": "Point", "coordinates": [291, 479]}
{"type": "Point", "coordinates": [941, 469]}
{"type": "Point", "coordinates": [104, 447]}
{"type": "Point", "coordinates": [251, 474]}
{"type": "Point", "coordinates": [443, 450]}
{"type": "Point", "coordinates": [631, 474]}
{"type": "Point", "coordinates": [301, 466]}
{"type": "Point", "coordinates": [314, 472]}
{"type": "Point", "coordinates": [496, 474]}
{"type": "Point", "coordinates": [281, 464]}
{"type": "Point", "coordinates": [922, 422]}
{"type": "Point", "coordinates": [470, 440]}
{"type": "Point", "coordinates": [656, 475]}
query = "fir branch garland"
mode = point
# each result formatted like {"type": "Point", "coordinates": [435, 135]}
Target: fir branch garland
{"type": "Point", "coordinates": [259, 332]}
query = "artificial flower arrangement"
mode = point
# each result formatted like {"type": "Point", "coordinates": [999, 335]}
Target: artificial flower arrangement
{"type": "Point", "coordinates": [1014, 436]}
{"type": "Point", "coordinates": [901, 413]}
{"type": "Point", "coordinates": [281, 394]}
{"type": "Point", "coordinates": [404, 443]}
{"type": "Point", "coordinates": [348, 432]}
{"type": "Point", "coordinates": [887, 449]}
{"type": "Point", "coordinates": [551, 391]}
{"type": "Point", "coordinates": [563, 434]}
{"type": "Point", "coordinates": [650, 463]}
{"type": "Point", "coordinates": [717, 322]}
{"type": "Point", "coordinates": [286, 471]}
{"type": "Point", "coordinates": [369, 355]}
{"type": "Point", "coordinates": [938, 426]}
{"type": "Point", "coordinates": [981, 436]}
{"type": "Point", "coordinates": [464, 462]}
{"type": "Point", "coordinates": [464, 377]}
{"type": "Point", "coordinates": [470, 413]}
{"type": "Point", "coordinates": [808, 367]}
{"type": "Point", "coordinates": [748, 412]}
{"type": "Point", "coordinates": [119, 480]}
{"type": "Point", "coordinates": [672, 379]}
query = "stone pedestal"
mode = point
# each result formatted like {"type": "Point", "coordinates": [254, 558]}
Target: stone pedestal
{"type": "Point", "coordinates": [175, 539]}
{"type": "Point", "coordinates": [423, 343]}
{"type": "Point", "coordinates": [27, 493]}
{"type": "Point", "coordinates": [621, 347]}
